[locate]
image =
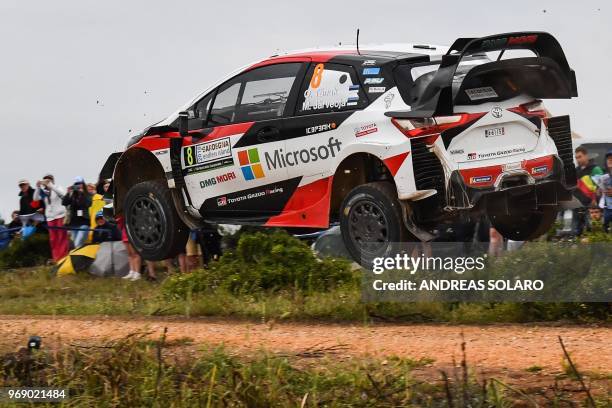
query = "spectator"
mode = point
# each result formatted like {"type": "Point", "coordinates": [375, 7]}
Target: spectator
{"type": "Point", "coordinates": [104, 230]}
{"type": "Point", "coordinates": [595, 213]}
{"type": "Point", "coordinates": [102, 186]}
{"type": "Point", "coordinates": [5, 238]}
{"type": "Point", "coordinates": [134, 258]}
{"type": "Point", "coordinates": [97, 203]}
{"type": "Point", "coordinates": [15, 223]}
{"type": "Point", "coordinates": [28, 208]}
{"type": "Point", "coordinates": [78, 202]}
{"type": "Point", "coordinates": [52, 195]}
{"type": "Point", "coordinates": [210, 241]}
{"type": "Point", "coordinates": [604, 182]}
{"type": "Point", "coordinates": [150, 265]}
{"type": "Point", "coordinates": [496, 242]}
{"type": "Point", "coordinates": [586, 188]}
{"type": "Point", "coordinates": [182, 263]}
{"type": "Point", "coordinates": [193, 253]}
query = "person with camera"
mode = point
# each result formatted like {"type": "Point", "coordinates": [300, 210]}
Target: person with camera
{"type": "Point", "coordinates": [78, 201]}
{"type": "Point", "coordinates": [52, 195]}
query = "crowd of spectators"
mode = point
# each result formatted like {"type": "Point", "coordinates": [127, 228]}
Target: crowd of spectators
{"type": "Point", "coordinates": [593, 191]}
{"type": "Point", "coordinates": [67, 215]}
{"type": "Point", "coordinates": [73, 217]}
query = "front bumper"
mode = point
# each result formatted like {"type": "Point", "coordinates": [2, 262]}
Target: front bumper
{"type": "Point", "coordinates": [500, 189]}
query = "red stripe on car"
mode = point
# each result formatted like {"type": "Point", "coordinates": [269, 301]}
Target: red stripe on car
{"type": "Point", "coordinates": [317, 56]}
{"type": "Point", "coordinates": [157, 142]}
{"type": "Point", "coordinates": [395, 162]}
{"type": "Point", "coordinates": [222, 131]}
{"type": "Point", "coordinates": [307, 207]}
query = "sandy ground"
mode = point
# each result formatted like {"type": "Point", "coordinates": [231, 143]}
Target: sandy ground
{"type": "Point", "coordinates": [504, 348]}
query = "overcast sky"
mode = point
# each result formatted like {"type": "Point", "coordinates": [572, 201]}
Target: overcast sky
{"type": "Point", "coordinates": [76, 76]}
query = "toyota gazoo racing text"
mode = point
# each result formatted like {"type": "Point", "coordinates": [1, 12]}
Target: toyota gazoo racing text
{"type": "Point", "coordinates": [389, 141]}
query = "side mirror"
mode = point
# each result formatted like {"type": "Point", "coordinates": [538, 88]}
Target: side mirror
{"type": "Point", "coordinates": [183, 120]}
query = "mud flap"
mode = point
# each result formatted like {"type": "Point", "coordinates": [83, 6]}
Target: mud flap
{"type": "Point", "coordinates": [529, 197]}
{"type": "Point", "coordinates": [176, 144]}
{"type": "Point", "coordinates": [109, 166]}
{"type": "Point", "coordinates": [421, 234]}
{"type": "Point", "coordinates": [180, 195]}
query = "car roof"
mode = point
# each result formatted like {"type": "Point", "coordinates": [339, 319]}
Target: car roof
{"type": "Point", "coordinates": [390, 50]}
{"type": "Point", "coordinates": [383, 52]}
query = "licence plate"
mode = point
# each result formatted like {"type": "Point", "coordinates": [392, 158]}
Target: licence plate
{"type": "Point", "coordinates": [494, 132]}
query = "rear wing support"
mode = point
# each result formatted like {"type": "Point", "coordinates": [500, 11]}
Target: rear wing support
{"type": "Point", "coordinates": [437, 98]}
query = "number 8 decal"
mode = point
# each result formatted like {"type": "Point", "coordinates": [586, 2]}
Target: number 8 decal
{"type": "Point", "coordinates": [189, 156]}
{"type": "Point", "coordinates": [317, 74]}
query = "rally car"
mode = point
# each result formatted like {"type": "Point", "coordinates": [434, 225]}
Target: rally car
{"type": "Point", "coordinates": [389, 141]}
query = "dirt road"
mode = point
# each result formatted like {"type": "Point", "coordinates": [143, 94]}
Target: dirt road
{"type": "Point", "coordinates": [502, 348]}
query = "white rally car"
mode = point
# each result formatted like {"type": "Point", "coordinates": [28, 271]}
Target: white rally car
{"type": "Point", "coordinates": [388, 141]}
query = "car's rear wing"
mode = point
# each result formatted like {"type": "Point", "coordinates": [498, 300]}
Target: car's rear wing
{"type": "Point", "coordinates": [546, 76]}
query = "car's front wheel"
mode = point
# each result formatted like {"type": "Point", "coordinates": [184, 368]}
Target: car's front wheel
{"type": "Point", "coordinates": [153, 225]}
{"type": "Point", "coordinates": [371, 221]}
{"type": "Point", "coordinates": [525, 225]}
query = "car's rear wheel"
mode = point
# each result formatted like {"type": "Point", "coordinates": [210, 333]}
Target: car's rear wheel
{"type": "Point", "coordinates": [371, 221]}
{"type": "Point", "coordinates": [525, 225]}
{"type": "Point", "coordinates": [153, 225]}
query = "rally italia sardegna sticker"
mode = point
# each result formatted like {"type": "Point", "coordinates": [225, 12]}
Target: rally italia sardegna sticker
{"type": "Point", "coordinates": [207, 156]}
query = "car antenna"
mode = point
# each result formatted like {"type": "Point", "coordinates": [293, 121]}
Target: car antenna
{"type": "Point", "coordinates": [358, 42]}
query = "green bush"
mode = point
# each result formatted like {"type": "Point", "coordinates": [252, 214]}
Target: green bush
{"type": "Point", "coordinates": [596, 234]}
{"type": "Point", "coordinates": [25, 253]}
{"type": "Point", "coordinates": [265, 262]}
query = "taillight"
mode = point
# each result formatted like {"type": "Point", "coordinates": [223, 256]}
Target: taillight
{"type": "Point", "coordinates": [431, 126]}
{"type": "Point", "coordinates": [534, 108]}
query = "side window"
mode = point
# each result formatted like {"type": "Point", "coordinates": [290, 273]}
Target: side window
{"type": "Point", "coordinates": [198, 113]}
{"type": "Point", "coordinates": [259, 94]}
{"type": "Point", "coordinates": [330, 88]}
{"type": "Point", "coordinates": [224, 107]}
{"type": "Point", "coordinates": [265, 99]}
{"type": "Point", "coordinates": [200, 109]}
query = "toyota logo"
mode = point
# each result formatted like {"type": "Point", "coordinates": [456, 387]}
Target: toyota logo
{"type": "Point", "coordinates": [497, 112]}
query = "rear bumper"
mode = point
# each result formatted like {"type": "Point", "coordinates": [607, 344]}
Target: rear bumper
{"type": "Point", "coordinates": [500, 189]}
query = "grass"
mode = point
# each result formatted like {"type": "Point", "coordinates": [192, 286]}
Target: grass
{"type": "Point", "coordinates": [133, 372]}
{"type": "Point", "coordinates": [136, 371]}
{"type": "Point", "coordinates": [274, 276]}
{"type": "Point", "coordinates": [35, 291]}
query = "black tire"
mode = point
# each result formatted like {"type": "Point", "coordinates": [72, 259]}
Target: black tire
{"type": "Point", "coordinates": [526, 225]}
{"type": "Point", "coordinates": [371, 220]}
{"type": "Point", "coordinates": [153, 225]}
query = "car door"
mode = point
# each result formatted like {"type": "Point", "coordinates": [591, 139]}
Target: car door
{"type": "Point", "coordinates": [318, 131]}
{"type": "Point", "coordinates": [236, 131]}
